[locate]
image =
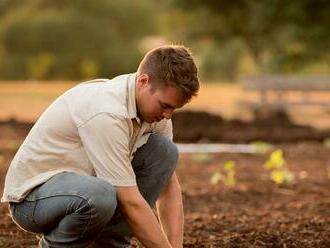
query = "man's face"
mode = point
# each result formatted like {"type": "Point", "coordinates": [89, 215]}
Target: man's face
{"type": "Point", "coordinates": [156, 104]}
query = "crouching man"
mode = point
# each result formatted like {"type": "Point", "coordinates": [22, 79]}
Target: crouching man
{"type": "Point", "coordinates": [101, 156]}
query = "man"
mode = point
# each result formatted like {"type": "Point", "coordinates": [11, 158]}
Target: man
{"type": "Point", "coordinates": [98, 159]}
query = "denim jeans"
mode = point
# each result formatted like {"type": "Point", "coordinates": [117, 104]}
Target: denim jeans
{"type": "Point", "coordinates": [70, 210]}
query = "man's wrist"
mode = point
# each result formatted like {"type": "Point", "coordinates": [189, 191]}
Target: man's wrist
{"type": "Point", "coordinates": [176, 241]}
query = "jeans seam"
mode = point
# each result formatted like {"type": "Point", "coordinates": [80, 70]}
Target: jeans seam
{"type": "Point", "coordinates": [16, 212]}
{"type": "Point", "coordinates": [34, 198]}
{"type": "Point", "coordinates": [61, 194]}
{"type": "Point", "coordinates": [90, 217]}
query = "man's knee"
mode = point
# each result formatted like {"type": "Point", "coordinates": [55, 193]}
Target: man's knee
{"type": "Point", "coordinates": [164, 149]}
{"type": "Point", "coordinates": [102, 202]}
{"type": "Point", "coordinates": [154, 165]}
{"type": "Point", "coordinates": [83, 209]}
{"type": "Point", "coordinates": [99, 196]}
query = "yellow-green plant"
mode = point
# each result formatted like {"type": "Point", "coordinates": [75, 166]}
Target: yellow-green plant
{"type": "Point", "coordinates": [201, 157]}
{"type": "Point", "coordinates": [279, 173]}
{"type": "Point", "coordinates": [228, 178]}
{"type": "Point", "coordinates": [261, 146]}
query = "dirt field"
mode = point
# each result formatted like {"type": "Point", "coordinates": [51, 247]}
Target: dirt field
{"type": "Point", "coordinates": [255, 212]}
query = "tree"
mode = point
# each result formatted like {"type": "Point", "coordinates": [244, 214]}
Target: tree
{"type": "Point", "coordinates": [276, 33]}
{"type": "Point", "coordinates": [71, 39]}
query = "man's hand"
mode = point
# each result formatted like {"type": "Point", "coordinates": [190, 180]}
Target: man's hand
{"type": "Point", "coordinates": [170, 211]}
{"type": "Point", "coordinates": [141, 218]}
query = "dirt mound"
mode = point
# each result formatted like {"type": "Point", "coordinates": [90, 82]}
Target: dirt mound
{"type": "Point", "coordinates": [198, 126]}
{"type": "Point", "coordinates": [195, 126]}
{"type": "Point", "coordinates": [14, 130]}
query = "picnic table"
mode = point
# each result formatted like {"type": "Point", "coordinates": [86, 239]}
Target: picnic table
{"type": "Point", "coordinates": [273, 91]}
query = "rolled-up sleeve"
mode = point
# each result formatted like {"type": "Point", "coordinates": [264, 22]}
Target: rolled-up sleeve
{"type": "Point", "coordinates": [105, 138]}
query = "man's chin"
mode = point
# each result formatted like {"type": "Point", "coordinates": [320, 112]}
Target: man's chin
{"type": "Point", "coordinates": [152, 120]}
{"type": "Point", "coordinates": [149, 120]}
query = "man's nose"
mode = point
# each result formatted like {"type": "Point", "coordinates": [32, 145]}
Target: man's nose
{"type": "Point", "coordinates": [168, 113]}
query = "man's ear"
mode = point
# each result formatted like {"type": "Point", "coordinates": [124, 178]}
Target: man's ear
{"type": "Point", "coordinates": [143, 80]}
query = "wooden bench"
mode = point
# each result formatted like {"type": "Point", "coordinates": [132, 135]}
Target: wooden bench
{"type": "Point", "coordinates": [274, 91]}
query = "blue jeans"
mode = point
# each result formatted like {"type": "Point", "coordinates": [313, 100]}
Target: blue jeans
{"type": "Point", "coordinates": [70, 210]}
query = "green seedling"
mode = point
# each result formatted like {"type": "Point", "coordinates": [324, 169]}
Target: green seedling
{"type": "Point", "coordinates": [229, 167]}
{"type": "Point", "coordinates": [201, 157]}
{"type": "Point", "coordinates": [261, 146]}
{"type": "Point", "coordinates": [228, 178]}
{"type": "Point", "coordinates": [275, 161]}
{"type": "Point", "coordinates": [278, 170]}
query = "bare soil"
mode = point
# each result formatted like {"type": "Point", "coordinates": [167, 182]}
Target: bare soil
{"type": "Point", "coordinates": [255, 212]}
{"type": "Point", "coordinates": [274, 127]}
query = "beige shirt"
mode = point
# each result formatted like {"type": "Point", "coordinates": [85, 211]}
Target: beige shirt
{"type": "Point", "coordinates": [92, 129]}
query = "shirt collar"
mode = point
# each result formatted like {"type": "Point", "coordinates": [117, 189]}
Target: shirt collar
{"type": "Point", "coordinates": [132, 109]}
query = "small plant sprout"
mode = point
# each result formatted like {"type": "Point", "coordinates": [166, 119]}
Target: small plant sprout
{"type": "Point", "coordinates": [229, 178]}
{"type": "Point", "coordinates": [277, 165]}
{"type": "Point", "coordinates": [229, 167]}
{"type": "Point", "coordinates": [261, 146]}
{"type": "Point", "coordinates": [201, 157]}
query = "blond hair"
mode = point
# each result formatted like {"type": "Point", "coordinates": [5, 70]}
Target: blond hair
{"type": "Point", "coordinates": [171, 65]}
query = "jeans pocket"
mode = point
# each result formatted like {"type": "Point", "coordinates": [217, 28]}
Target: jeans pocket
{"type": "Point", "coordinates": [22, 214]}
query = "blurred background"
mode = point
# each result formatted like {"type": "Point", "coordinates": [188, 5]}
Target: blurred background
{"type": "Point", "coordinates": [265, 96]}
{"type": "Point", "coordinates": [47, 46]}
{"type": "Point", "coordinates": [81, 39]}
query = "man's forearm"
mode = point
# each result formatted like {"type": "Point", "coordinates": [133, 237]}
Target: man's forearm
{"type": "Point", "coordinates": [143, 222]}
{"type": "Point", "coordinates": [170, 211]}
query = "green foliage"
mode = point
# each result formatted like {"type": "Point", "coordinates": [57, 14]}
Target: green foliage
{"type": "Point", "coordinates": [276, 160]}
{"type": "Point", "coordinates": [229, 166]}
{"type": "Point", "coordinates": [89, 68]}
{"type": "Point", "coordinates": [8, 5]}
{"type": "Point", "coordinates": [201, 157]}
{"type": "Point", "coordinates": [261, 146]}
{"type": "Point", "coordinates": [220, 62]}
{"type": "Point", "coordinates": [278, 170]}
{"type": "Point", "coordinates": [39, 66]}
{"type": "Point", "coordinates": [281, 36]}
{"type": "Point", "coordinates": [72, 39]}
{"type": "Point", "coordinates": [228, 177]}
